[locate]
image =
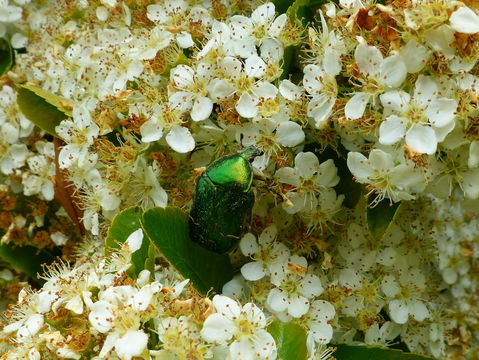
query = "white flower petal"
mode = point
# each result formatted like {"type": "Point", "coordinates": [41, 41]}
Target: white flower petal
{"type": "Point", "coordinates": [182, 76]}
{"type": "Point", "coordinates": [289, 90]}
{"type": "Point", "coordinates": [253, 271]}
{"type": "Point", "coordinates": [307, 164]}
{"type": "Point", "coordinates": [311, 286]}
{"type": "Point", "coordinates": [355, 106]}
{"type": "Point", "coordinates": [134, 240]}
{"type": "Point", "coordinates": [368, 58]}
{"type": "Point", "coordinates": [464, 20]}
{"type": "Point", "coordinates": [441, 112]}
{"type": "Point", "coordinates": [359, 166]}
{"type": "Point", "coordinates": [380, 159]}
{"type": "Point", "coordinates": [414, 56]}
{"type": "Point", "coordinates": [395, 100]}
{"type": "Point", "coordinates": [246, 106]}
{"type": "Point", "coordinates": [180, 139]}
{"type": "Point", "coordinates": [151, 130]}
{"type": "Point", "coordinates": [248, 245]}
{"type": "Point", "coordinates": [418, 310]}
{"type": "Point", "coordinates": [218, 328]}
{"type": "Point", "coordinates": [226, 306]}
{"type": "Point", "coordinates": [392, 130]}
{"type": "Point", "coordinates": [393, 71]}
{"type": "Point", "coordinates": [298, 306]}
{"type": "Point", "coordinates": [422, 139]}
{"type": "Point", "coordinates": [254, 66]}
{"type": "Point", "coordinates": [202, 108]}
{"type": "Point", "coordinates": [133, 343]}
{"type": "Point", "coordinates": [473, 160]}
{"type": "Point", "coordinates": [290, 134]}
{"type": "Point", "coordinates": [277, 300]}
{"type": "Point", "coordinates": [399, 311]}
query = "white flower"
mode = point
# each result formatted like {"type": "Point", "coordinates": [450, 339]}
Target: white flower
{"type": "Point", "coordinates": [79, 134]}
{"type": "Point", "coordinates": [378, 73]}
{"type": "Point", "coordinates": [180, 139]}
{"type": "Point", "coordinates": [424, 120]}
{"type": "Point", "coordinates": [308, 178]}
{"type": "Point", "coordinates": [414, 56]}
{"type": "Point", "coordinates": [251, 31]}
{"type": "Point", "coordinates": [172, 15]}
{"type": "Point", "coordinates": [294, 287]}
{"type": "Point", "coordinates": [9, 13]}
{"type": "Point", "coordinates": [323, 90]}
{"type": "Point", "coordinates": [465, 20]}
{"type": "Point", "coordinates": [132, 344]}
{"type": "Point", "coordinates": [193, 90]}
{"type": "Point", "coordinates": [385, 177]}
{"type": "Point", "coordinates": [243, 81]}
{"type": "Point", "coordinates": [318, 319]}
{"type": "Point", "coordinates": [264, 251]}
{"type": "Point", "coordinates": [244, 325]}
{"type": "Point", "coordinates": [27, 327]}
{"type": "Point", "coordinates": [404, 295]}
{"type": "Point", "coordinates": [268, 136]}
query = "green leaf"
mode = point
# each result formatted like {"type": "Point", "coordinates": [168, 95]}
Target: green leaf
{"type": "Point", "coordinates": [290, 339]}
{"type": "Point", "coordinates": [356, 352]}
{"type": "Point", "coordinates": [123, 224]}
{"type": "Point", "coordinates": [7, 56]}
{"type": "Point", "coordinates": [380, 216]}
{"type": "Point", "coordinates": [168, 230]}
{"type": "Point", "coordinates": [62, 104]}
{"type": "Point", "coordinates": [301, 11]}
{"type": "Point", "coordinates": [42, 108]}
{"type": "Point", "coordinates": [26, 259]}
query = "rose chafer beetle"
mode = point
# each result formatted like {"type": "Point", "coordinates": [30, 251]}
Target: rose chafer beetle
{"type": "Point", "coordinates": [223, 201]}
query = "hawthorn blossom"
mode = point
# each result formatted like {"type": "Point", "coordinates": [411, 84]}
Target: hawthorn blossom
{"type": "Point", "coordinates": [249, 32]}
{"type": "Point", "coordinates": [385, 177]}
{"type": "Point", "coordinates": [264, 251]}
{"type": "Point", "coordinates": [244, 81]}
{"type": "Point", "coordinates": [294, 287]}
{"type": "Point", "coordinates": [193, 90]}
{"type": "Point", "coordinates": [403, 293]}
{"type": "Point", "coordinates": [423, 120]}
{"type": "Point", "coordinates": [241, 327]}
{"type": "Point", "coordinates": [308, 178]}
{"type": "Point", "coordinates": [465, 20]}
{"type": "Point", "coordinates": [378, 75]}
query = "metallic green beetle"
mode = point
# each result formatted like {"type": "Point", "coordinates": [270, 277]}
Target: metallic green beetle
{"type": "Point", "coordinates": [223, 201]}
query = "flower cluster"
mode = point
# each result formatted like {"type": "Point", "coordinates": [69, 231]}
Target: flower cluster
{"type": "Point", "coordinates": [355, 106]}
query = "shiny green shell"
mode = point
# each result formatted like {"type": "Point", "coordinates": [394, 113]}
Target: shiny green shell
{"type": "Point", "coordinates": [223, 201]}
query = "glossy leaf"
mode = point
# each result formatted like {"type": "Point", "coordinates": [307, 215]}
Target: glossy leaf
{"type": "Point", "coordinates": [380, 216]}
{"type": "Point", "coordinates": [44, 109]}
{"type": "Point", "coordinates": [168, 230]}
{"type": "Point", "coordinates": [6, 56]}
{"type": "Point", "coordinates": [356, 352]}
{"type": "Point", "coordinates": [124, 223]}
{"type": "Point", "coordinates": [26, 259]}
{"type": "Point", "coordinates": [290, 339]}
{"type": "Point", "coordinates": [62, 104]}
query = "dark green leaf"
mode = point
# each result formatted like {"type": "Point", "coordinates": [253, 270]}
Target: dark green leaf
{"type": "Point", "coordinates": [6, 56]}
{"type": "Point", "coordinates": [168, 230]}
{"type": "Point", "coordinates": [356, 352]}
{"type": "Point", "coordinates": [26, 259]}
{"type": "Point", "coordinates": [43, 109]}
{"type": "Point", "coordinates": [301, 11]}
{"type": "Point", "coordinates": [380, 216]}
{"type": "Point", "coordinates": [290, 339]}
{"type": "Point", "coordinates": [124, 223]}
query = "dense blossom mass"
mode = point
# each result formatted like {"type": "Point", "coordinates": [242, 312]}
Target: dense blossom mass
{"type": "Point", "coordinates": [355, 105]}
